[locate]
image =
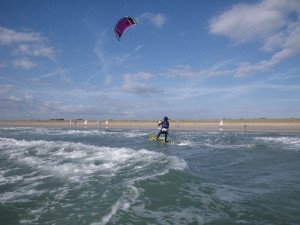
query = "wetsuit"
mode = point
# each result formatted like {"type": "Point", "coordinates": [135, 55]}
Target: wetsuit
{"type": "Point", "coordinates": [164, 129]}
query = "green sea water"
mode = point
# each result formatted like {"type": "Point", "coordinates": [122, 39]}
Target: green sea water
{"type": "Point", "coordinates": [117, 176]}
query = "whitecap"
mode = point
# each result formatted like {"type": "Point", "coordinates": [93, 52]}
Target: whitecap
{"type": "Point", "coordinates": [291, 143]}
{"type": "Point", "coordinates": [77, 165]}
{"type": "Point", "coordinates": [186, 143]}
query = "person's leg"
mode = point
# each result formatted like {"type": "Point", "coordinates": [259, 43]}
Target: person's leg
{"type": "Point", "coordinates": [159, 133]}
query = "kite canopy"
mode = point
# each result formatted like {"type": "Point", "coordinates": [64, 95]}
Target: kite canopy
{"type": "Point", "coordinates": [122, 25]}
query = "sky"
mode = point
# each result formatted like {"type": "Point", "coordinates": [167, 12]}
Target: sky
{"type": "Point", "coordinates": [191, 59]}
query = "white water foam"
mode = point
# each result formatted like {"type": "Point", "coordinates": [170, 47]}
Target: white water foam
{"type": "Point", "coordinates": [291, 143]}
{"type": "Point", "coordinates": [76, 164]}
{"type": "Point", "coordinates": [133, 134]}
{"type": "Point", "coordinates": [186, 143]}
{"type": "Point", "coordinates": [69, 159]}
{"type": "Point", "coordinates": [122, 204]}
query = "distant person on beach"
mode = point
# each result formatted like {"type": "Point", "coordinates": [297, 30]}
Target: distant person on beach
{"type": "Point", "coordinates": [164, 128]}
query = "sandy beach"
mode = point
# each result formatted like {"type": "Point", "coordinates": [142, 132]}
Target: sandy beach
{"type": "Point", "coordinates": [284, 125]}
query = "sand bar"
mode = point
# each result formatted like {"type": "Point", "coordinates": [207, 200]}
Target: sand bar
{"type": "Point", "coordinates": [282, 125]}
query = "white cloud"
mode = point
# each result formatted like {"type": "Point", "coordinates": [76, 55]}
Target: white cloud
{"type": "Point", "coordinates": [107, 60]}
{"type": "Point", "coordinates": [158, 20]}
{"type": "Point", "coordinates": [186, 71]}
{"type": "Point", "coordinates": [183, 71]}
{"type": "Point", "coordinates": [274, 23]}
{"type": "Point", "coordinates": [136, 83]}
{"type": "Point", "coordinates": [8, 37]}
{"type": "Point", "coordinates": [290, 47]}
{"type": "Point", "coordinates": [244, 22]}
{"type": "Point", "coordinates": [35, 50]}
{"type": "Point", "coordinates": [233, 92]}
{"type": "Point", "coordinates": [59, 72]}
{"type": "Point", "coordinates": [15, 100]}
{"type": "Point", "coordinates": [273, 42]}
{"type": "Point", "coordinates": [28, 45]}
{"type": "Point", "coordinates": [24, 63]}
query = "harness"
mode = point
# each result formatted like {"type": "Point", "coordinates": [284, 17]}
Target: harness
{"type": "Point", "coordinates": [165, 126]}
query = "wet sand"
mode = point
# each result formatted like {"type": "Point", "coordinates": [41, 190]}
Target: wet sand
{"type": "Point", "coordinates": [282, 125]}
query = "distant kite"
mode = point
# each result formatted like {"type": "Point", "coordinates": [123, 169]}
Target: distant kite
{"type": "Point", "coordinates": [123, 24]}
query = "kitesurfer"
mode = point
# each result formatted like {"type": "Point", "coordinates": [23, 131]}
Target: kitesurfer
{"type": "Point", "coordinates": [164, 128]}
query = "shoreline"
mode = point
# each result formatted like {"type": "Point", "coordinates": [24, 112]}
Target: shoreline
{"type": "Point", "coordinates": [268, 125]}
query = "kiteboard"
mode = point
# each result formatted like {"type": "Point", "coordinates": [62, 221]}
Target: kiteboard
{"type": "Point", "coordinates": [153, 138]}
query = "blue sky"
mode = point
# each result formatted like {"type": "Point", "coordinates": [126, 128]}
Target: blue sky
{"type": "Point", "coordinates": [184, 59]}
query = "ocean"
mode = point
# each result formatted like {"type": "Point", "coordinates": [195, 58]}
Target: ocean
{"type": "Point", "coordinates": [117, 176]}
